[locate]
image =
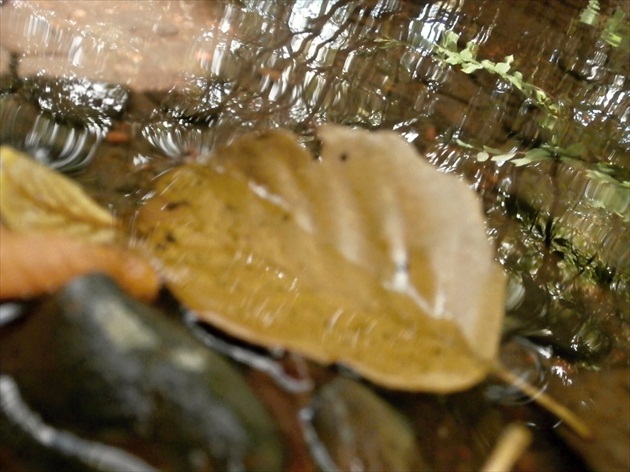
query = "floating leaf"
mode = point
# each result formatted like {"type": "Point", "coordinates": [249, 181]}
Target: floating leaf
{"type": "Point", "coordinates": [521, 161]}
{"type": "Point", "coordinates": [516, 79]}
{"type": "Point", "coordinates": [453, 60]}
{"type": "Point", "coordinates": [502, 68]}
{"type": "Point", "coordinates": [540, 96]}
{"type": "Point", "coordinates": [57, 232]}
{"type": "Point", "coordinates": [37, 263]}
{"type": "Point", "coordinates": [576, 150]}
{"type": "Point", "coordinates": [537, 154]}
{"type": "Point", "coordinates": [368, 257]}
{"type": "Point", "coordinates": [471, 67]}
{"type": "Point", "coordinates": [36, 198]}
{"type": "Point", "coordinates": [590, 14]}
{"type": "Point", "coordinates": [464, 144]}
{"type": "Point", "coordinates": [449, 41]}
{"type": "Point", "coordinates": [616, 32]}
{"type": "Point", "coordinates": [503, 157]}
{"type": "Point", "coordinates": [467, 54]}
{"type": "Point", "coordinates": [492, 150]}
{"type": "Point", "coordinates": [483, 156]}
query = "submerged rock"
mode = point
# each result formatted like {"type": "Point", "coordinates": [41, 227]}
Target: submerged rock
{"type": "Point", "coordinates": [350, 428]}
{"type": "Point", "coordinates": [106, 367]}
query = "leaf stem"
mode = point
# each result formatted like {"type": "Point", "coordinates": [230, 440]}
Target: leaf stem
{"type": "Point", "coordinates": [544, 400]}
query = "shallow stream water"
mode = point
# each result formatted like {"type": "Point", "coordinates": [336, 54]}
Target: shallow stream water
{"type": "Point", "coordinates": [115, 92]}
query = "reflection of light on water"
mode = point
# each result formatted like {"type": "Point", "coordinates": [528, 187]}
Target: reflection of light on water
{"type": "Point", "coordinates": [214, 50]}
{"type": "Point", "coordinates": [561, 372]}
{"type": "Point", "coordinates": [62, 146]}
{"type": "Point", "coordinates": [525, 360]}
{"type": "Point", "coordinates": [435, 19]}
{"type": "Point", "coordinates": [308, 64]}
{"type": "Point", "coordinates": [612, 100]}
{"type": "Point", "coordinates": [305, 10]}
{"type": "Point", "coordinates": [10, 312]}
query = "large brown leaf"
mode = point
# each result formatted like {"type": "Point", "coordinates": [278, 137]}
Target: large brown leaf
{"type": "Point", "coordinates": [367, 257]}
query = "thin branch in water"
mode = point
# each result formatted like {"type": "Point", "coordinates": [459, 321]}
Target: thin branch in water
{"type": "Point", "coordinates": [545, 401]}
{"type": "Point", "coordinates": [513, 442]}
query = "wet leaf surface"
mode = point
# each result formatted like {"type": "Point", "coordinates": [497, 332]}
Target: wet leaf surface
{"type": "Point", "coordinates": [201, 73]}
{"type": "Point", "coordinates": [57, 232]}
{"type": "Point", "coordinates": [36, 198]}
{"type": "Point", "coordinates": [35, 264]}
{"type": "Point", "coordinates": [276, 267]}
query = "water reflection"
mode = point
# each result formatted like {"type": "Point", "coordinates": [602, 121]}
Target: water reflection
{"type": "Point", "coordinates": [63, 146]}
{"type": "Point", "coordinates": [529, 362]}
{"type": "Point", "coordinates": [193, 75]}
{"type": "Point", "coordinates": [253, 65]}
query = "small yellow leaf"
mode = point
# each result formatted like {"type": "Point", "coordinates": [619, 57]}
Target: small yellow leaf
{"type": "Point", "coordinates": [57, 232]}
{"type": "Point", "coordinates": [36, 198]}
